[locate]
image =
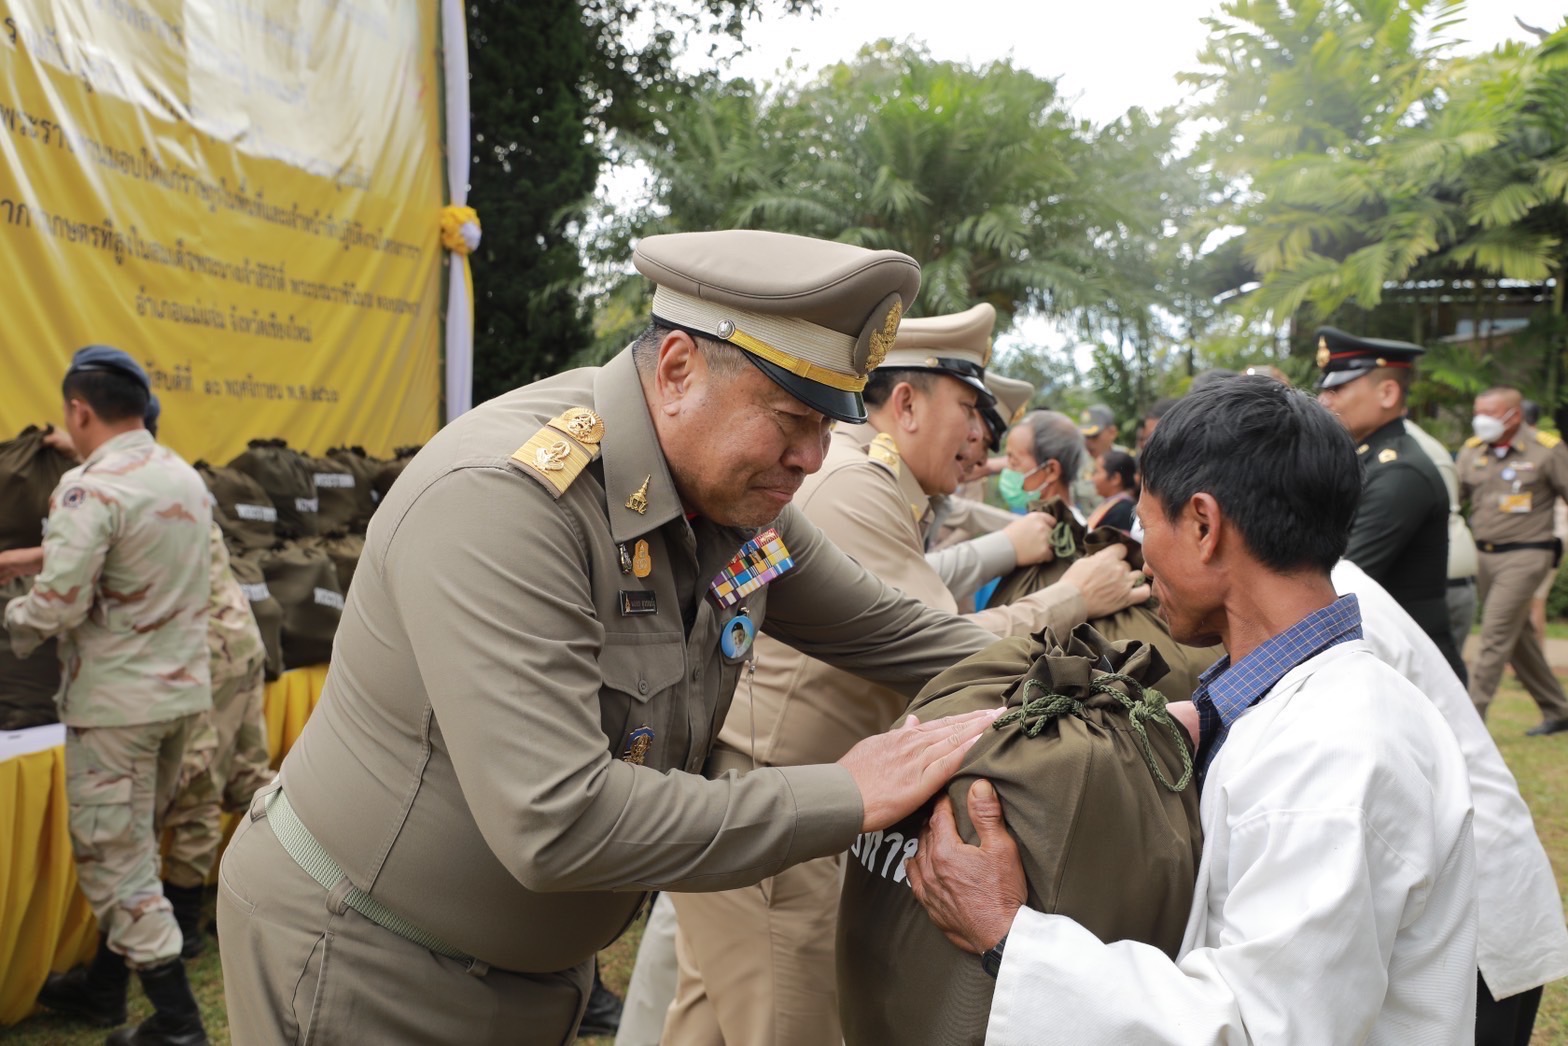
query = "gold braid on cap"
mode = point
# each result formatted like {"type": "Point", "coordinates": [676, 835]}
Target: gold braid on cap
{"type": "Point", "coordinates": [882, 340]}
{"type": "Point", "coordinates": [798, 367]}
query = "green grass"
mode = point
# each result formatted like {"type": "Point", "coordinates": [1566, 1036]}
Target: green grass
{"type": "Point", "coordinates": [1537, 762]}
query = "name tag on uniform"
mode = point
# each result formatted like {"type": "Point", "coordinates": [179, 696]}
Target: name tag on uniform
{"type": "Point", "coordinates": [1514, 503]}
{"type": "Point", "coordinates": [637, 602]}
{"type": "Point", "coordinates": [759, 561]}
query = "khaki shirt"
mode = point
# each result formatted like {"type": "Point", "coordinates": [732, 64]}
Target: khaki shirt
{"type": "Point", "coordinates": [799, 710]}
{"type": "Point", "coordinates": [489, 756]}
{"type": "Point", "coordinates": [1511, 493]}
{"type": "Point", "coordinates": [124, 587]}
{"type": "Point", "coordinates": [233, 638]}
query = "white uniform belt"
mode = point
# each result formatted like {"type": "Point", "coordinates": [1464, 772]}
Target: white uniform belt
{"type": "Point", "coordinates": [309, 855]}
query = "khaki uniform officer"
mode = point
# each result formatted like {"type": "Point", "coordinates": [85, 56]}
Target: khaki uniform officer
{"type": "Point", "coordinates": [124, 587]}
{"type": "Point", "coordinates": [756, 964]}
{"type": "Point", "coordinates": [1511, 477]}
{"type": "Point", "coordinates": [538, 648]}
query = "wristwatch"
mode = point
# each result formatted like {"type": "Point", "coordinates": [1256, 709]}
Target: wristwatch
{"type": "Point", "coordinates": [991, 961]}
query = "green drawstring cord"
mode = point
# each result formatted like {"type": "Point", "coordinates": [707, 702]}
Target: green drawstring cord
{"type": "Point", "coordinates": [1062, 543]}
{"type": "Point", "coordinates": [1148, 705]}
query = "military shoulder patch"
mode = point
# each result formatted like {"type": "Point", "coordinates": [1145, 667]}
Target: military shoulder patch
{"type": "Point", "coordinates": [1473, 441]}
{"type": "Point", "coordinates": [557, 454]}
{"type": "Point", "coordinates": [885, 453]}
{"type": "Point", "coordinates": [1546, 439]}
{"type": "Point", "coordinates": [1386, 455]}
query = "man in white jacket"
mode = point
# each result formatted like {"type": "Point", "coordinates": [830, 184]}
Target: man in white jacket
{"type": "Point", "coordinates": [1335, 901]}
{"type": "Point", "coordinates": [1521, 942]}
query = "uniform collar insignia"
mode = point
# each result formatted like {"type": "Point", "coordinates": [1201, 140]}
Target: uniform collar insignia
{"type": "Point", "coordinates": [633, 462]}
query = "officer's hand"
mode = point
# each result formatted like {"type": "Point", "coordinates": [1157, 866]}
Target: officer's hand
{"type": "Point", "coordinates": [972, 893]}
{"type": "Point", "coordinates": [898, 771]}
{"type": "Point", "coordinates": [1106, 582]}
{"type": "Point", "coordinates": [1031, 537]}
{"type": "Point", "coordinates": [20, 562]}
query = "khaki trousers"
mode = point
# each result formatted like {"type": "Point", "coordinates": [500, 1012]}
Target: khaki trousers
{"type": "Point", "coordinates": [225, 764]}
{"type": "Point", "coordinates": [652, 987]}
{"type": "Point", "coordinates": [118, 782]}
{"type": "Point", "coordinates": [300, 966]}
{"type": "Point", "coordinates": [1506, 582]}
{"type": "Point", "coordinates": [757, 964]}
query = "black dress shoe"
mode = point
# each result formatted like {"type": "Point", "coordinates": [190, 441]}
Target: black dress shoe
{"type": "Point", "coordinates": [603, 1017]}
{"type": "Point", "coordinates": [1547, 726]}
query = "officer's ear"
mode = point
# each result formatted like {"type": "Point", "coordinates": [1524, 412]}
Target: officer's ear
{"type": "Point", "coordinates": [1390, 394]}
{"type": "Point", "coordinates": [678, 372]}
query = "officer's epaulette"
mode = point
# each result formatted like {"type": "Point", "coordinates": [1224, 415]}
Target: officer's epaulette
{"type": "Point", "coordinates": [1546, 439]}
{"type": "Point", "coordinates": [885, 453]}
{"type": "Point", "coordinates": [1386, 455]}
{"type": "Point", "coordinates": [557, 454]}
{"type": "Point", "coordinates": [1473, 441]}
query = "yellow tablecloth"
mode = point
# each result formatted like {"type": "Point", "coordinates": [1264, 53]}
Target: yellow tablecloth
{"type": "Point", "coordinates": [45, 923]}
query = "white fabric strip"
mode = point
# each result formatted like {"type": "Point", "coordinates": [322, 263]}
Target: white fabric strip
{"type": "Point", "coordinates": [459, 310]}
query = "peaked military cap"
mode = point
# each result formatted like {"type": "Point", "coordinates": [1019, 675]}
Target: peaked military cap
{"type": "Point", "coordinates": [1012, 403]}
{"type": "Point", "coordinates": [958, 344]}
{"type": "Point", "coordinates": [1092, 419]}
{"type": "Point", "coordinates": [106, 357]}
{"type": "Point", "coordinates": [813, 315]}
{"type": "Point", "coordinates": [1345, 357]}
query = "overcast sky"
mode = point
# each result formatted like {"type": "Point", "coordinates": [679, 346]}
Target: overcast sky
{"type": "Point", "coordinates": [1109, 55]}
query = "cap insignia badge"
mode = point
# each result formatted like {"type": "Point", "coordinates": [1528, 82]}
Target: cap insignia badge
{"type": "Point", "coordinates": [638, 502]}
{"type": "Point", "coordinates": [882, 340]}
{"type": "Point", "coordinates": [1323, 353]}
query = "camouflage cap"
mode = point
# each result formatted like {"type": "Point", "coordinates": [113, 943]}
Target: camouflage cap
{"type": "Point", "coordinates": [813, 315]}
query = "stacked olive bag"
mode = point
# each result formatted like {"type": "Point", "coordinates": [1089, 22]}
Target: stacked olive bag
{"type": "Point", "coordinates": [304, 583]}
{"type": "Point", "coordinates": [364, 468]}
{"type": "Point", "coordinates": [290, 482]}
{"type": "Point", "coordinates": [241, 508]}
{"type": "Point", "coordinates": [1096, 785]}
{"type": "Point", "coordinates": [1071, 542]}
{"type": "Point", "coordinates": [391, 470]}
{"type": "Point", "coordinates": [29, 472]}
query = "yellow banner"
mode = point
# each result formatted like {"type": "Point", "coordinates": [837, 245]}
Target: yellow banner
{"type": "Point", "coordinates": [244, 195]}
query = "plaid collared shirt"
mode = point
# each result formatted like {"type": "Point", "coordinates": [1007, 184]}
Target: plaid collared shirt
{"type": "Point", "coordinates": [1225, 691]}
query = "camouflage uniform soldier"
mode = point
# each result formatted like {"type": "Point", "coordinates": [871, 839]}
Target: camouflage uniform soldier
{"type": "Point", "coordinates": [227, 761]}
{"type": "Point", "coordinates": [124, 588]}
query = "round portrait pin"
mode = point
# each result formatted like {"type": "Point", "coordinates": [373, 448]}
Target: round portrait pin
{"type": "Point", "coordinates": [736, 636]}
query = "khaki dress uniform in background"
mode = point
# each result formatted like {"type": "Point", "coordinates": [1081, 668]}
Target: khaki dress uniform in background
{"type": "Point", "coordinates": [1511, 490]}
{"type": "Point", "coordinates": [757, 964]}
{"type": "Point", "coordinates": [124, 587]}
{"type": "Point", "coordinates": [527, 682]}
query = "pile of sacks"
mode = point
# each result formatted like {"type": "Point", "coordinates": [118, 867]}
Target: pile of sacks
{"type": "Point", "coordinates": [294, 526]}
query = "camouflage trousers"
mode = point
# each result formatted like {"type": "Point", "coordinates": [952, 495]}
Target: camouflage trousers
{"type": "Point", "coordinates": [225, 764]}
{"type": "Point", "coordinates": [118, 780]}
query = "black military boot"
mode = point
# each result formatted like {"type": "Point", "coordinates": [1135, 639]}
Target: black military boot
{"type": "Point", "coordinates": [176, 1019]}
{"type": "Point", "coordinates": [603, 1016]}
{"type": "Point", "coordinates": [186, 902]}
{"type": "Point", "coordinates": [94, 993]}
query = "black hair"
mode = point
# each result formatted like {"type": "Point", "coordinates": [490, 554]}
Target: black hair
{"type": "Point", "coordinates": [1531, 411]}
{"type": "Point", "coordinates": [1161, 406]}
{"type": "Point", "coordinates": [1281, 467]}
{"type": "Point", "coordinates": [1121, 464]}
{"type": "Point", "coordinates": [112, 394]}
{"type": "Point", "coordinates": [881, 382]}
{"type": "Point", "coordinates": [724, 359]}
{"type": "Point", "coordinates": [1203, 379]}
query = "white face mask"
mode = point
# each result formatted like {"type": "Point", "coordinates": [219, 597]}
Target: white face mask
{"type": "Point", "coordinates": [1487, 428]}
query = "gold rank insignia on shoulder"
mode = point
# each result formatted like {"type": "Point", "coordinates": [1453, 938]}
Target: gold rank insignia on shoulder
{"type": "Point", "coordinates": [557, 454]}
{"type": "Point", "coordinates": [1386, 455]}
{"type": "Point", "coordinates": [1473, 441]}
{"type": "Point", "coordinates": [884, 452]}
{"type": "Point", "coordinates": [1546, 439]}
